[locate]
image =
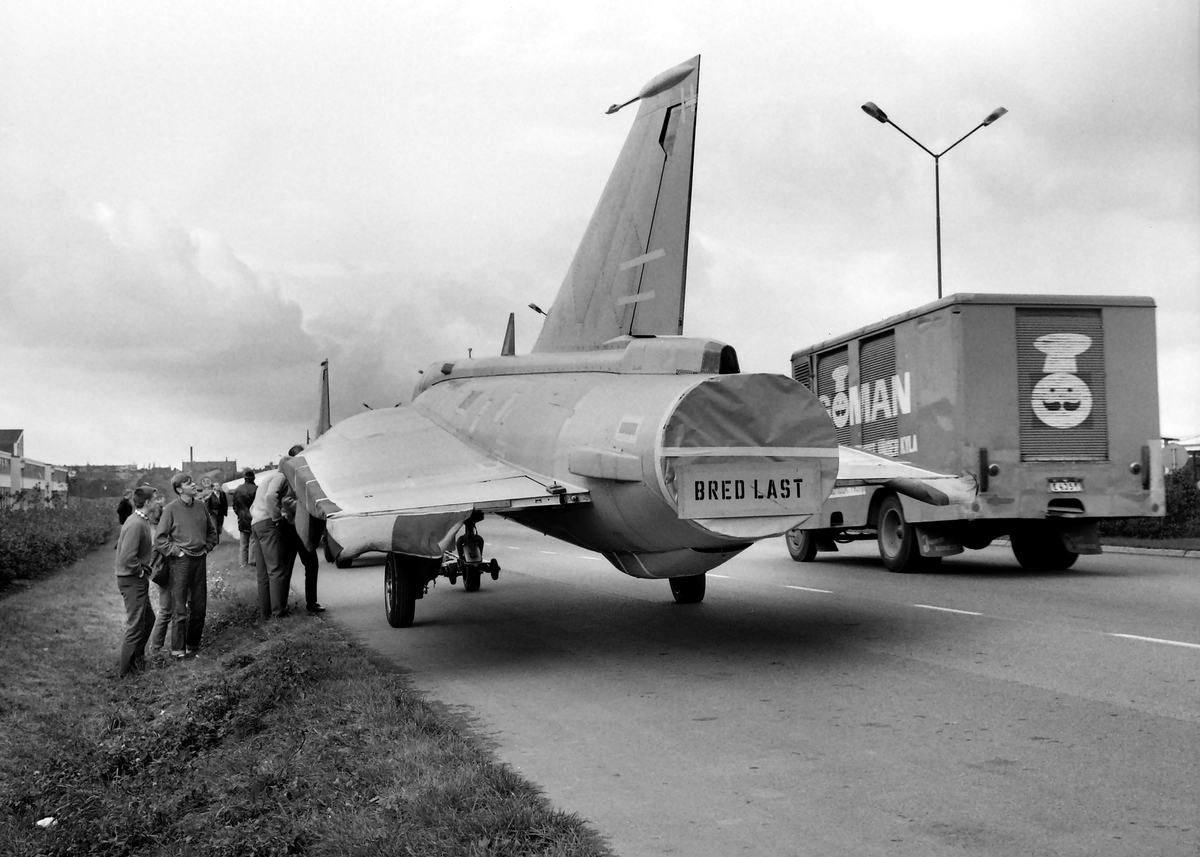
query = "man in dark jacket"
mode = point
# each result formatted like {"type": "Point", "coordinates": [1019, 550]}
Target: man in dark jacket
{"type": "Point", "coordinates": [243, 499]}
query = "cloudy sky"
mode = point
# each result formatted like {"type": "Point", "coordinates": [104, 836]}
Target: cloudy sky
{"type": "Point", "coordinates": [201, 201]}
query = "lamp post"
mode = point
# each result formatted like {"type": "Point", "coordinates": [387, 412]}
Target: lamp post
{"type": "Point", "coordinates": [875, 113]}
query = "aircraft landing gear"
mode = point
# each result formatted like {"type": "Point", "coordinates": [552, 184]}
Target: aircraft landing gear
{"type": "Point", "coordinates": [688, 590]}
{"type": "Point", "coordinates": [467, 559]}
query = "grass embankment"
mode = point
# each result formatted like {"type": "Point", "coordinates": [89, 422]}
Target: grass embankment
{"type": "Point", "coordinates": [281, 738]}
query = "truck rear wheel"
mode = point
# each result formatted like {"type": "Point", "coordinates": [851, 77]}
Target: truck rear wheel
{"type": "Point", "coordinates": [1042, 550]}
{"type": "Point", "coordinates": [897, 538]}
{"type": "Point", "coordinates": [801, 545]}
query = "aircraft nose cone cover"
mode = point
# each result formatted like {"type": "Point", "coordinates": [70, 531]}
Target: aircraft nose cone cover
{"type": "Point", "coordinates": [748, 456]}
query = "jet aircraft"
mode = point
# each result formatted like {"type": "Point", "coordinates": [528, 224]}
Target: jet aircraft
{"type": "Point", "coordinates": [617, 433]}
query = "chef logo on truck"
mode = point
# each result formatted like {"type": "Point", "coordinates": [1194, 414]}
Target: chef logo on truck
{"type": "Point", "coordinates": [1062, 399]}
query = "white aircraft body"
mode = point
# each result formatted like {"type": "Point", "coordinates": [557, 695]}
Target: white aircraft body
{"type": "Point", "coordinates": [617, 434]}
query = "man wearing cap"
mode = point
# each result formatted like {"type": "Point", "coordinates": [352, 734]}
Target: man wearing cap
{"type": "Point", "coordinates": [134, 546]}
{"type": "Point", "coordinates": [185, 535]}
{"type": "Point", "coordinates": [243, 499]}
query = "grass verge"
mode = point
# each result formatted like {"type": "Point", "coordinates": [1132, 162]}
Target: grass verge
{"type": "Point", "coordinates": [281, 738]}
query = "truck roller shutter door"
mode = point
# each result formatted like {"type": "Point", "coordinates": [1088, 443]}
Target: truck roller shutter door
{"type": "Point", "coordinates": [833, 388]}
{"type": "Point", "coordinates": [1062, 395]}
{"type": "Point", "coordinates": [876, 367]}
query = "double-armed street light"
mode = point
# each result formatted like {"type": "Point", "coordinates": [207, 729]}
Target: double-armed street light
{"type": "Point", "coordinates": [875, 113]}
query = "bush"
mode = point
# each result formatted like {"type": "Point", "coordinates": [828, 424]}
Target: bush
{"type": "Point", "coordinates": [1182, 518]}
{"type": "Point", "coordinates": [36, 541]}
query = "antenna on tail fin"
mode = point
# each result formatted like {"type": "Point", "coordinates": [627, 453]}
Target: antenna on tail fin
{"type": "Point", "coordinates": [323, 421]}
{"type": "Point", "coordinates": [509, 348]}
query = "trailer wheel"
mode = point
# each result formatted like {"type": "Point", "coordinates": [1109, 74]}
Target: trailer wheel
{"type": "Point", "coordinates": [399, 592]}
{"type": "Point", "coordinates": [897, 538]}
{"type": "Point", "coordinates": [1042, 550]}
{"type": "Point", "coordinates": [688, 590]}
{"type": "Point", "coordinates": [471, 577]}
{"type": "Point", "coordinates": [801, 545]}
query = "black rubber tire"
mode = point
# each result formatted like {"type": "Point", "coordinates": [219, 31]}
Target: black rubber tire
{"type": "Point", "coordinates": [471, 578]}
{"type": "Point", "coordinates": [801, 544]}
{"type": "Point", "coordinates": [897, 539]}
{"type": "Point", "coordinates": [399, 592]}
{"type": "Point", "coordinates": [688, 590]}
{"type": "Point", "coordinates": [1042, 550]}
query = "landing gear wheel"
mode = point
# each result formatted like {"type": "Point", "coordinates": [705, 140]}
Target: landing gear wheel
{"type": "Point", "coordinates": [471, 578]}
{"type": "Point", "coordinates": [897, 539]}
{"type": "Point", "coordinates": [494, 569]}
{"type": "Point", "coordinates": [1042, 550]}
{"type": "Point", "coordinates": [801, 545]}
{"type": "Point", "coordinates": [399, 592]}
{"type": "Point", "coordinates": [688, 590]}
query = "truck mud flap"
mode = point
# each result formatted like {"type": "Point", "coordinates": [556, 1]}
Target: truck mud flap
{"type": "Point", "coordinates": [933, 541]}
{"type": "Point", "coordinates": [1082, 538]}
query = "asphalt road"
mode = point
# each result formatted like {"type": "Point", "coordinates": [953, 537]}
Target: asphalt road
{"type": "Point", "coordinates": [825, 708]}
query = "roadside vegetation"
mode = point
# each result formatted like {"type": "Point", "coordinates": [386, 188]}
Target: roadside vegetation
{"type": "Point", "coordinates": [280, 738]}
{"type": "Point", "coordinates": [42, 539]}
{"type": "Point", "coordinates": [1179, 528]}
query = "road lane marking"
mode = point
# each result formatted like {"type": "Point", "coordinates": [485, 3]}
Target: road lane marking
{"type": "Point", "coordinates": [948, 610]}
{"type": "Point", "coordinates": [1157, 640]}
{"type": "Point", "coordinates": [810, 589]}
{"type": "Point", "coordinates": [722, 576]}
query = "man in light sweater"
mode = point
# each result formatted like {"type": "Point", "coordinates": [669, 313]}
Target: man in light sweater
{"type": "Point", "coordinates": [267, 544]}
{"type": "Point", "coordinates": [185, 535]}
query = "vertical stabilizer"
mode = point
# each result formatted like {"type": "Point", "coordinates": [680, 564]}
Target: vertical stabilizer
{"type": "Point", "coordinates": [323, 421]}
{"type": "Point", "coordinates": [629, 273]}
{"type": "Point", "coordinates": [510, 337]}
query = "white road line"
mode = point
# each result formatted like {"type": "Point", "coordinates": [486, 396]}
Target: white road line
{"type": "Point", "coordinates": [810, 589]}
{"type": "Point", "coordinates": [552, 553]}
{"type": "Point", "coordinates": [722, 576]}
{"type": "Point", "coordinates": [1156, 640]}
{"type": "Point", "coordinates": [948, 610]}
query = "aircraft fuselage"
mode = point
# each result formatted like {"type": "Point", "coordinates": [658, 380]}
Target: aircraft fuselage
{"type": "Point", "coordinates": [684, 465]}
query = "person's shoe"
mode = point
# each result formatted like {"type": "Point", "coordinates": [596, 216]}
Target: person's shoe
{"type": "Point", "coordinates": [315, 608]}
{"type": "Point", "coordinates": [177, 655]}
{"type": "Point", "coordinates": [192, 651]}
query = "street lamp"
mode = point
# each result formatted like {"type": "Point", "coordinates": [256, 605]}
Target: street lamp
{"type": "Point", "coordinates": [875, 113]}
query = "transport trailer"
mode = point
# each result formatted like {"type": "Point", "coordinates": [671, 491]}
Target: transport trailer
{"type": "Point", "coordinates": [1049, 402]}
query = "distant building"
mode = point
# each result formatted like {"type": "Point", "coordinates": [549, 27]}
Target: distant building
{"type": "Point", "coordinates": [220, 471]}
{"type": "Point", "coordinates": [23, 481]}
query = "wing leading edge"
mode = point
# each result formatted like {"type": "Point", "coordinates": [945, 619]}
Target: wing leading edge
{"type": "Point", "coordinates": [394, 480]}
{"type": "Point", "coordinates": [858, 467]}
{"type": "Point", "coordinates": [628, 275]}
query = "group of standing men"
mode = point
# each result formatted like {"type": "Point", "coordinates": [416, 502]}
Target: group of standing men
{"type": "Point", "coordinates": [181, 534]}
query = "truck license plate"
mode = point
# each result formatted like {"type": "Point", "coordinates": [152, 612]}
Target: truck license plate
{"type": "Point", "coordinates": [1065, 486]}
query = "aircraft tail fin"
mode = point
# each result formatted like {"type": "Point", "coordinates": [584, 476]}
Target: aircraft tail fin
{"type": "Point", "coordinates": [510, 337]}
{"type": "Point", "coordinates": [323, 421]}
{"type": "Point", "coordinates": [629, 274]}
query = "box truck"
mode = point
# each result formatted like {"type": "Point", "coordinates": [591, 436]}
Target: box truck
{"type": "Point", "coordinates": [1048, 402]}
